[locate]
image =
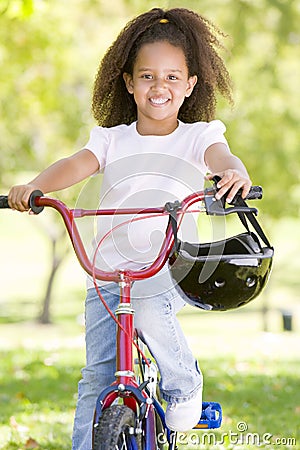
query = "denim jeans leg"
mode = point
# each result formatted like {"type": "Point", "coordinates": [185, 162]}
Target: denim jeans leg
{"type": "Point", "coordinates": [100, 361]}
{"type": "Point", "coordinates": [158, 327]}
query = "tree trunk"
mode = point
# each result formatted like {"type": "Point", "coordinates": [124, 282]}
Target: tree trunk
{"type": "Point", "coordinates": [57, 259]}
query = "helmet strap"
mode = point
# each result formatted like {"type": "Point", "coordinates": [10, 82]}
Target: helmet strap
{"type": "Point", "coordinates": [172, 208]}
{"type": "Point", "coordinates": [252, 219]}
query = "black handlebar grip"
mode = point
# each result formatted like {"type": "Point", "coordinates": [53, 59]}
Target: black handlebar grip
{"type": "Point", "coordinates": [33, 196]}
{"type": "Point", "coordinates": [31, 203]}
{"type": "Point", "coordinates": [255, 193]}
{"type": "Point", "coordinates": [4, 201]}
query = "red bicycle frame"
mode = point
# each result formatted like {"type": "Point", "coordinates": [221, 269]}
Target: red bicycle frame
{"type": "Point", "coordinates": [125, 385]}
{"type": "Point", "coordinates": [124, 357]}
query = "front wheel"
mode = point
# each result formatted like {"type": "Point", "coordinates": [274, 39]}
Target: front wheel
{"type": "Point", "coordinates": [115, 430]}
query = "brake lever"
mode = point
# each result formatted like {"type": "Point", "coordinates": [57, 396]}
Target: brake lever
{"type": "Point", "coordinates": [234, 201]}
{"type": "Point", "coordinates": [216, 207]}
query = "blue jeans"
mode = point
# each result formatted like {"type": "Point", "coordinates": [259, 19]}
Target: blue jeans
{"type": "Point", "coordinates": [157, 325]}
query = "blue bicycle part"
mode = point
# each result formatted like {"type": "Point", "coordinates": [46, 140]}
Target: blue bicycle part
{"type": "Point", "coordinates": [211, 416]}
{"type": "Point", "coordinates": [133, 444]}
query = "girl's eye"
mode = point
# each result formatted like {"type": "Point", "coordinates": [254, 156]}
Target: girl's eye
{"type": "Point", "coordinates": [172, 77]}
{"type": "Point", "coordinates": [147, 76]}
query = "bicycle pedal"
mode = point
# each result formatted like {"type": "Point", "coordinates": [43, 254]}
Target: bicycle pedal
{"type": "Point", "coordinates": [211, 416]}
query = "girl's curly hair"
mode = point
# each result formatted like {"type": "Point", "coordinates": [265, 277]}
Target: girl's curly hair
{"type": "Point", "coordinates": [199, 39]}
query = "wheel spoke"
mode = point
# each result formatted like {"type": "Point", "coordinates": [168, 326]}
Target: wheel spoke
{"type": "Point", "coordinates": [124, 445]}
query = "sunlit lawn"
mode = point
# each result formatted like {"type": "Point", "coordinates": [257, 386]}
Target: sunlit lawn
{"type": "Point", "coordinates": [253, 374]}
{"type": "Point", "coordinates": [37, 398]}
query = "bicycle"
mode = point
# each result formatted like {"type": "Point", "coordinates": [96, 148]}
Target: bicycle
{"type": "Point", "coordinates": [128, 413]}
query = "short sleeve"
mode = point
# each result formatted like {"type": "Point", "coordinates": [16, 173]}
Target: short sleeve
{"type": "Point", "coordinates": [212, 133]}
{"type": "Point", "coordinates": [98, 144]}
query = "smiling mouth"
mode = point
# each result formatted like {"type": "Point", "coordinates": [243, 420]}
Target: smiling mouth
{"type": "Point", "coordinates": [158, 101]}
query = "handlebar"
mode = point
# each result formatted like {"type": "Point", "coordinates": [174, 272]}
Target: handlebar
{"type": "Point", "coordinates": [32, 201]}
{"type": "Point", "coordinates": [38, 201]}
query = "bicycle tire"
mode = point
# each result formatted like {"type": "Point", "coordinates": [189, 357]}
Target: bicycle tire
{"type": "Point", "coordinates": [160, 440]}
{"type": "Point", "coordinates": [112, 431]}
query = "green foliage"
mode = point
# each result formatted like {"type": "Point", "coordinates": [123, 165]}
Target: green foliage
{"type": "Point", "coordinates": [49, 52]}
{"type": "Point", "coordinates": [41, 105]}
{"type": "Point", "coordinates": [263, 129]}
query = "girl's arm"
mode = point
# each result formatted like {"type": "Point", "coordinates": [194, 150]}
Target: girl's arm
{"type": "Point", "coordinates": [233, 173]}
{"type": "Point", "coordinates": [60, 175]}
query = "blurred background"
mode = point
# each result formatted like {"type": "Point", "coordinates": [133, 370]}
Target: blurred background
{"type": "Point", "coordinates": [49, 54]}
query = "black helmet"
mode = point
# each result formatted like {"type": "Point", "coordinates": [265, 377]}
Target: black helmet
{"type": "Point", "coordinates": [221, 275]}
{"type": "Point", "coordinates": [225, 274]}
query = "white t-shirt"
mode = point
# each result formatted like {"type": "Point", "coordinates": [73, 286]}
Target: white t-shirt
{"type": "Point", "coordinates": [142, 172]}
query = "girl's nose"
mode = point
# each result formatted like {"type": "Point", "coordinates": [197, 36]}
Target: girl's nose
{"type": "Point", "coordinates": [159, 83]}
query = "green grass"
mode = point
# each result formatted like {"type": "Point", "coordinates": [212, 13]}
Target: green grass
{"type": "Point", "coordinates": [37, 398]}
{"type": "Point", "coordinates": [254, 375]}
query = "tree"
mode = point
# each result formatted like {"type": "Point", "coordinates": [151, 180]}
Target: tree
{"type": "Point", "coordinates": [266, 68]}
{"type": "Point", "coordinates": [43, 100]}
{"type": "Point", "coordinates": [48, 64]}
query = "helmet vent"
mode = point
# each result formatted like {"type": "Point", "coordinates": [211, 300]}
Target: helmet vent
{"type": "Point", "coordinates": [219, 282]}
{"type": "Point", "coordinates": [250, 282]}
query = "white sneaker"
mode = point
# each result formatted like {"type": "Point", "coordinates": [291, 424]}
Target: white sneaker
{"type": "Point", "coordinates": [184, 416]}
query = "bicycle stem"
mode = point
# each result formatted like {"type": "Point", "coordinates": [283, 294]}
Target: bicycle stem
{"type": "Point", "coordinates": [125, 313]}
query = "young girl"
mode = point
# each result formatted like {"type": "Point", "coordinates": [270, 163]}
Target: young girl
{"type": "Point", "coordinates": [154, 101]}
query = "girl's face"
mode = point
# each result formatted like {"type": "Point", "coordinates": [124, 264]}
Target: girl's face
{"type": "Point", "coordinates": [159, 83]}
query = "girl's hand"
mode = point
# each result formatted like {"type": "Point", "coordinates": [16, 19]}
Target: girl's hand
{"type": "Point", "coordinates": [18, 196]}
{"type": "Point", "coordinates": [232, 180]}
